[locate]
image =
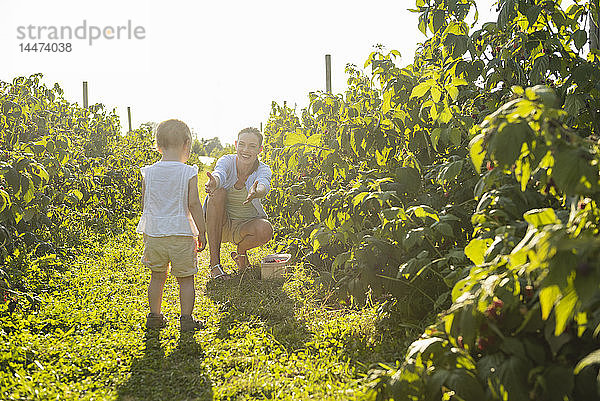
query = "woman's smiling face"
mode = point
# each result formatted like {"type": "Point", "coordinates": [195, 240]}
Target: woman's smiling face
{"type": "Point", "coordinates": [247, 148]}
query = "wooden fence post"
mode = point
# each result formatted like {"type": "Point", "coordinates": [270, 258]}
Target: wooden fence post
{"type": "Point", "coordinates": [129, 117]}
{"type": "Point", "coordinates": [85, 94]}
{"type": "Point", "coordinates": [328, 73]}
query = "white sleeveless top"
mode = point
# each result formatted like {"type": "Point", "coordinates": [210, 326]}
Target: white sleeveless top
{"type": "Point", "coordinates": [166, 209]}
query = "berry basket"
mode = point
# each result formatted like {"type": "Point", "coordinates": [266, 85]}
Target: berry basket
{"type": "Point", "coordinates": [274, 266]}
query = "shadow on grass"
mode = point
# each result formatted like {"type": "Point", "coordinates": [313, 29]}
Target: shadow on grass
{"type": "Point", "coordinates": [247, 298]}
{"type": "Point", "coordinates": [176, 376]}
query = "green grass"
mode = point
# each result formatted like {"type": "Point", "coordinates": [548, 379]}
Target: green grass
{"type": "Point", "coordinates": [264, 339]}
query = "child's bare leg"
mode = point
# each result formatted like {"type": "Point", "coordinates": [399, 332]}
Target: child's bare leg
{"type": "Point", "coordinates": [155, 291]}
{"type": "Point", "coordinates": [187, 294]}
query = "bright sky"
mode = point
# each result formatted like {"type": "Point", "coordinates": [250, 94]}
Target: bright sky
{"type": "Point", "coordinates": [216, 65]}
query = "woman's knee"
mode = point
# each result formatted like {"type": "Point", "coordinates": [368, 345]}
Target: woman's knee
{"type": "Point", "coordinates": [266, 232]}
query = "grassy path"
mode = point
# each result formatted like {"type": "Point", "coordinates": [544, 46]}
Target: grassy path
{"type": "Point", "coordinates": [264, 340]}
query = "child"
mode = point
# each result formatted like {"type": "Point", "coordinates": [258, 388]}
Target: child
{"type": "Point", "coordinates": [172, 216]}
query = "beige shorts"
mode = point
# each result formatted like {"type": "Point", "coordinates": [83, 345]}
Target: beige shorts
{"type": "Point", "coordinates": [232, 229]}
{"type": "Point", "coordinates": [178, 250]}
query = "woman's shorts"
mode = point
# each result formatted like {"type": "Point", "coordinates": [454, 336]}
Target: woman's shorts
{"type": "Point", "coordinates": [232, 229]}
{"type": "Point", "coordinates": [178, 250]}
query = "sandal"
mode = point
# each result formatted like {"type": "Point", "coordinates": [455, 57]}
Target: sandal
{"type": "Point", "coordinates": [234, 255]}
{"type": "Point", "coordinates": [221, 275]}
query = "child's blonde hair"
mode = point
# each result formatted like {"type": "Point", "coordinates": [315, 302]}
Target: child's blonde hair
{"type": "Point", "coordinates": [172, 133]}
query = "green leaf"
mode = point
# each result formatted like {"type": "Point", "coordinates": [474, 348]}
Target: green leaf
{"type": "Point", "coordinates": [581, 320]}
{"type": "Point", "coordinates": [445, 115]}
{"type": "Point", "coordinates": [295, 137]}
{"type": "Point", "coordinates": [320, 238]}
{"type": "Point", "coordinates": [39, 171]}
{"type": "Point", "coordinates": [579, 38]}
{"type": "Point", "coordinates": [487, 366]}
{"type": "Point", "coordinates": [413, 237]}
{"type": "Point", "coordinates": [573, 104]}
{"type": "Point", "coordinates": [423, 211]}
{"type": "Point", "coordinates": [382, 156]}
{"type": "Point", "coordinates": [545, 94]}
{"type": "Point", "coordinates": [532, 14]}
{"type": "Point", "coordinates": [540, 217]}
{"type": "Point", "coordinates": [422, 24]}
{"type": "Point", "coordinates": [507, 142]}
{"type": "Point", "coordinates": [548, 296]}
{"type": "Point", "coordinates": [477, 152]}
{"type": "Point", "coordinates": [420, 90]}
{"type": "Point", "coordinates": [13, 178]}
{"type": "Point", "coordinates": [452, 171]}
{"type": "Point", "coordinates": [592, 358]}
{"type": "Point", "coordinates": [409, 178]}
{"type": "Point", "coordinates": [370, 59]}
{"type": "Point", "coordinates": [387, 98]}
{"type": "Point", "coordinates": [443, 228]}
{"type": "Point", "coordinates": [452, 91]}
{"type": "Point", "coordinates": [436, 94]}
{"type": "Point", "coordinates": [27, 189]}
{"type": "Point", "coordinates": [455, 136]}
{"type": "Point", "coordinates": [340, 260]}
{"type": "Point", "coordinates": [435, 383]}
{"type": "Point", "coordinates": [4, 200]}
{"type": "Point", "coordinates": [17, 212]}
{"type": "Point", "coordinates": [517, 90]}
{"type": "Point", "coordinates": [540, 67]}
{"type": "Point", "coordinates": [29, 213]}
{"type": "Point", "coordinates": [573, 173]}
{"type": "Point", "coordinates": [513, 374]}
{"type": "Point", "coordinates": [506, 13]}
{"type": "Point", "coordinates": [564, 310]}
{"type": "Point", "coordinates": [394, 213]}
{"type": "Point", "coordinates": [314, 139]}
{"type": "Point", "coordinates": [425, 347]}
{"type": "Point", "coordinates": [435, 137]}
{"type": "Point", "coordinates": [465, 385]}
{"type": "Point", "coordinates": [359, 198]}
{"type": "Point", "coordinates": [475, 250]}
{"type": "Point", "coordinates": [523, 172]}
{"type": "Point", "coordinates": [77, 193]}
{"type": "Point", "coordinates": [433, 112]}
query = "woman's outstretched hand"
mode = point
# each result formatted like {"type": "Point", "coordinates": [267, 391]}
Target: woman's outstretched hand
{"type": "Point", "coordinates": [211, 184]}
{"type": "Point", "coordinates": [251, 193]}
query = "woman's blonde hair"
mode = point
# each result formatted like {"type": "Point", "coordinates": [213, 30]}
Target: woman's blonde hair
{"type": "Point", "coordinates": [171, 133]}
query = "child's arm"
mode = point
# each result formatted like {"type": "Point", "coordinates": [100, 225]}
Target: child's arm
{"type": "Point", "coordinates": [195, 207]}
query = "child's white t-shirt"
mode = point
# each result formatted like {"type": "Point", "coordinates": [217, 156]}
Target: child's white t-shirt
{"type": "Point", "coordinates": [166, 210]}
